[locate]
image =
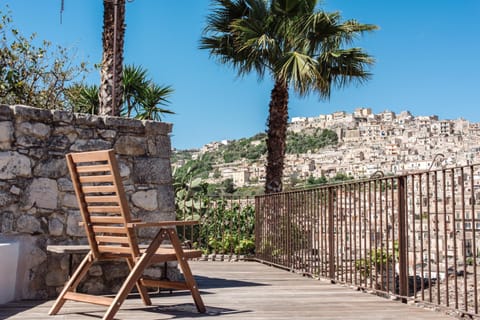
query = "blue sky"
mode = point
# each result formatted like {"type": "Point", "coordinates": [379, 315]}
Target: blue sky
{"type": "Point", "coordinates": [427, 60]}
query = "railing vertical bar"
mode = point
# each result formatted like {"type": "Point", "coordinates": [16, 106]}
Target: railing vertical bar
{"type": "Point", "coordinates": [429, 240]}
{"type": "Point", "coordinates": [445, 235]}
{"type": "Point", "coordinates": [474, 238]}
{"type": "Point", "coordinates": [377, 233]}
{"type": "Point", "coordinates": [392, 209]}
{"type": "Point", "coordinates": [339, 234]}
{"type": "Point", "coordinates": [422, 239]}
{"type": "Point", "coordinates": [414, 241]}
{"type": "Point", "coordinates": [454, 227]}
{"type": "Point", "coordinates": [365, 233]}
{"type": "Point", "coordinates": [402, 237]}
{"type": "Point", "coordinates": [387, 244]}
{"type": "Point", "coordinates": [437, 243]}
{"type": "Point", "coordinates": [331, 243]}
{"type": "Point", "coordinates": [351, 236]}
{"type": "Point", "coordinates": [370, 234]}
{"type": "Point", "coordinates": [464, 236]}
{"type": "Point", "coordinates": [407, 236]}
{"type": "Point", "coordinates": [356, 234]}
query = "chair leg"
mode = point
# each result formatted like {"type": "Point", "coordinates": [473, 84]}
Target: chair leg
{"type": "Point", "coordinates": [72, 284]}
{"type": "Point", "coordinates": [187, 272]}
{"type": "Point", "coordinates": [141, 289]}
{"type": "Point", "coordinates": [135, 275]}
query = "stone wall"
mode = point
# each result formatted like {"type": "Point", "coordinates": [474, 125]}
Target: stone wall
{"type": "Point", "coordinates": [37, 203]}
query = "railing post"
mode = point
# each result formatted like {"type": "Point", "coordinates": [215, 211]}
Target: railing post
{"type": "Point", "coordinates": [331, 234]}
{"type": "Point", "coordinates": [402, 238]}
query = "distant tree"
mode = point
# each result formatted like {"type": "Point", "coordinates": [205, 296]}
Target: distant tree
{"type": "Point", "coordinates": [297, 46]}
{"type": "Point", "coordinates": [339, 177]}
{"type": "Point", "coordinates": [316, 181]}
{"type": "Point", "coordinates": [141, 99]}
{"type": "Point", "coordinates": [34, 75]}
{"type": "Point", "coordinates": [112, 60]}
{"type": "Point", "coordinates": [228, 186]}
{"type": "Point", "coordinates": [83, 98]}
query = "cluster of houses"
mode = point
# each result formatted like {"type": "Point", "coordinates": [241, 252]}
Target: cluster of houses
{"type": "Point", "coordinates": [368, 143]}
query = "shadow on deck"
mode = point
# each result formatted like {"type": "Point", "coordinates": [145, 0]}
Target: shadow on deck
{"type": "Point", "coordinates": [241, 290]}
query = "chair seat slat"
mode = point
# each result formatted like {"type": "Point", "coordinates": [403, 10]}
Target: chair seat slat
{"type": "Point", "coordinates": [112, 239]}
{"type": "Point", "coordinates": [107, 229]}
{"type": "Point", "coordinates": [114, 249]}
{"type": "Point", "coordinates": [106, 219]}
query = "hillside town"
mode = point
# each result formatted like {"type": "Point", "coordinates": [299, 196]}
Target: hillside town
{"type": "Point", "coordinates": [386, 142]}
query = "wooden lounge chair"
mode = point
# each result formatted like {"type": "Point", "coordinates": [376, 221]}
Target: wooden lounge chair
{"type": "Point", "coordinates": [111, 235]}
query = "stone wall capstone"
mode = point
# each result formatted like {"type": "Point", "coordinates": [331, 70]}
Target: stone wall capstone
{"type": "Point", "coordinates": [37, 202]}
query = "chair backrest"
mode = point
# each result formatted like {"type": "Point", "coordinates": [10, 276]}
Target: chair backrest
{"type": "Point", "coordinates": [102, 202]}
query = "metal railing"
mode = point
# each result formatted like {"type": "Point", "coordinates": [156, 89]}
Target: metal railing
{"type": "Point", "coordinates": [414, 236]}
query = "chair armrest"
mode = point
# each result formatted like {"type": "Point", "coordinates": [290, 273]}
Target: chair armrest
{"type": "Point", "coordinates": [161, 224]}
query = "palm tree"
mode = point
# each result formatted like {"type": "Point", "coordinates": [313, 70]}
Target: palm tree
{"type": "Point", "coordinates": [297, 46]}
{"type": "Point", "coordinates": [142, 98]}
{"type": "Point", "coordinates": [110, 94]}
{"type": "Point", "coordinates": [134, 80]}
{"type": "Point", "coordinates": [83, 98]}
{"type": "Point", "coordinates": [151, 98]}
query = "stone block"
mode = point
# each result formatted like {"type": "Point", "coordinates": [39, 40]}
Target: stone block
{"type": "Point", "coordinates": [7, 219]}
{"type": "Point", "coordinates": [43, 193]}
{"type": "Point", "coordinates": [152, 170]}
{"type": "Point", "coordinates": [69, 200]}
{"type": "Point", "coordinates": [34, 129]}
{"type": "Point", "coordinates": [124, 125]}
{"type": "Point", "coordinates": [6, 112]}
{"type": "Point", "coordinates": [159, 146]}
{"type": "Point", "coordinates": [6, 135]}
{"type": "Point", "coordinates": [73, 227]}
{"type": "Point", "coordinates": [166, 200]}
{"type": "Point", "coordinates": [84, 119]}
{"type": "Point", "coordinates": [131, 146]}
{"type": "Point", "coordinates": [14, 165]}
{"type": "Point", "coordinates": [55, 227]}
{"type": "Point", "coordinates": [65, 185]}
{"type": "Point", "coordinates": [90, 145]}
{"type": "Point", "coordinates": [56, 277]}
{"type": "Point", "coordinates": [22, 112]}
{"type": "Point", "coordinates": [15, 190]}
{"type": "Point", "coordinates": [28, 224]}
{"type": "Point", "coordinates": [60, 142]}
{"type": "Point", "coordinates": [154, 128]}
{"type": "Point", "coordinates": [146, 200]}
{"type": "Point", "coordinates": [62, 116]}
{"type": "Point", "coordinates": [51, 168]}
{"type": "Point", "coordinates": [107, 134]}
{"type": "Point", "coordinates": [93, 286]}
{"type": "Point", "coordinates": [6, 198]}
{"type": "Point", "coordinates": [95, 271]}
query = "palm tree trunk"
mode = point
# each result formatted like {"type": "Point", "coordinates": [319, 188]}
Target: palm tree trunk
{"type": "Point", "coordinates": [276, 136]}
{"type": "Point", "coordinates": [111, 90]}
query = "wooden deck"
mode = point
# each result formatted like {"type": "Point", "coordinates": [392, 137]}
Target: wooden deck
{"type": "Point", "coordinates": [242, 290]}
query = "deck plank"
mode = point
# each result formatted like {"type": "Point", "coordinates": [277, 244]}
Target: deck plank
{"type": "Point", "coordinates": [241, 290]}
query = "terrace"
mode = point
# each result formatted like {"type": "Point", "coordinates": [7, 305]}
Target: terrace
{"type": "Point", "coordinates": [414, 238]}
{"type": "Point", "coordinates": [241, 290]}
